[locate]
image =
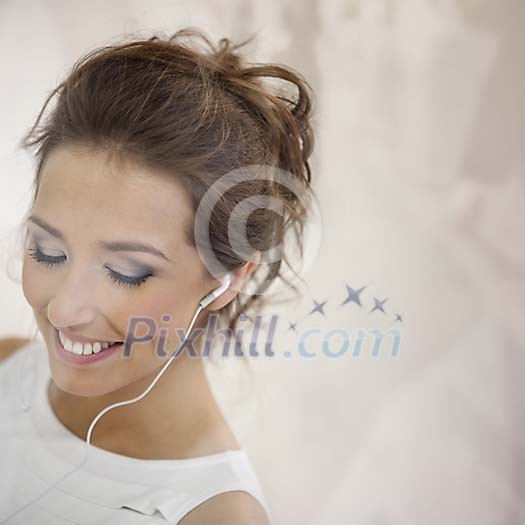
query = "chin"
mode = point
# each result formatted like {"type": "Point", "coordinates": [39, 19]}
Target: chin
{"type": "Point", "coordinates": [72, 384]}
{"type": "Point", "coordinates": [76, 382]}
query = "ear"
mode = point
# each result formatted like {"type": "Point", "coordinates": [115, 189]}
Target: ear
{"type": "Point", "coordinates": [237, 282]}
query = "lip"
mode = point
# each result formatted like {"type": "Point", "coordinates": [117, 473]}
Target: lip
{"type": "Point", "coordinates": [82, 359]}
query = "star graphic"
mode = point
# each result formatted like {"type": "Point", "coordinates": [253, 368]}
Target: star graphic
{"type": "Point", "coordinates": [292, 326]}
{"type": "Point", "coordinates": [378, 305]}
{"type": "Point", "coordinates": [353, 296]}
{"type": "Point", "coordinates": [318, 307]}
{"type": "Point", "coordinates": [399, 318]}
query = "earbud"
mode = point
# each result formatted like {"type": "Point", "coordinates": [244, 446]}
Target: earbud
{"type": "Point", "coordinates": [226, 281]}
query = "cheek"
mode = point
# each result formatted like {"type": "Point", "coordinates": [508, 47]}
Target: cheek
{"type": "Point", "coordinates": [164, 304]}
{"type": "Point", "coordinates": [35, 286]}
{"type": "Point", "coordinates": [170, 301]}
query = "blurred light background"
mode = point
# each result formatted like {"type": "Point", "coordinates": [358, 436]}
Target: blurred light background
{"type": "Point", "coordinates": [419, 171]}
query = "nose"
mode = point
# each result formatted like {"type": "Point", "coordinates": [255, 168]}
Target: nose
{"type": "Point", "coordinates": [73, 302]}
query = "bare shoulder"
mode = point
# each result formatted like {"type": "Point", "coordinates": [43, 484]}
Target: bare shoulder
{"type": "Point", "coordinates": [228, 508]}
{"type": "Point", "coordinates": [9, 345]}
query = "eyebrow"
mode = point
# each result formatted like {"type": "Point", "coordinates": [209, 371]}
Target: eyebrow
{"type": "Point", "coordinates": [114, 246]}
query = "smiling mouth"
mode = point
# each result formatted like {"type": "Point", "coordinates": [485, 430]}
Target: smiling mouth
{"type": "Point", "coordinates": [77, 348]}
{"type": "Point", "coordinates": [77, 359]}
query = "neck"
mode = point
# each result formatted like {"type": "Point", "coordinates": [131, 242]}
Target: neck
{"type": "Point", "coordinates": [178, 418]}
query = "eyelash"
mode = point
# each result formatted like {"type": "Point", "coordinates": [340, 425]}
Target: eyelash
{"type": "Point", "coordinates": [119, 279]}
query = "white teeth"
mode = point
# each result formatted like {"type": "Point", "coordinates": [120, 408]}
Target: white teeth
{"type": "Point", "coordinates": [79, 348]}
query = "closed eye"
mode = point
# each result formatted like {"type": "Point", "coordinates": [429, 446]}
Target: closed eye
{"type": "Point", "coordinates": [117, 278]}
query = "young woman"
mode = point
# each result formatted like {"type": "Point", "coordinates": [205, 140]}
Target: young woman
{"type": "Point", "coordinates": [140, 133]}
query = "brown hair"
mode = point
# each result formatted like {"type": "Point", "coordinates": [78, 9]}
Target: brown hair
{"type": "Point", "coordinates": [195, 111]}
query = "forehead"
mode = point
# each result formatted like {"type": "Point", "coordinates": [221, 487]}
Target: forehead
{"type": "Point", "coordinates": [83, 188]}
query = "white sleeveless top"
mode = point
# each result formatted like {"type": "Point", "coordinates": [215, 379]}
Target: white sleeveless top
{"type": "Point", "coordinates": [36, 451]}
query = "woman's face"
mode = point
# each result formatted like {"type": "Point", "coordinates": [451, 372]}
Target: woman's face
{"type": "Point", "coordinates": [86, 201]}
